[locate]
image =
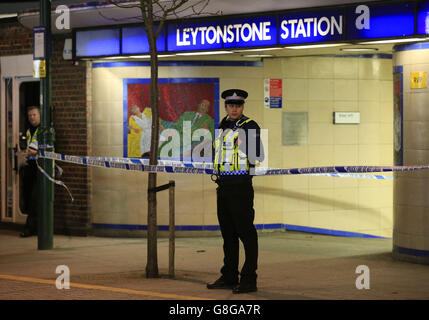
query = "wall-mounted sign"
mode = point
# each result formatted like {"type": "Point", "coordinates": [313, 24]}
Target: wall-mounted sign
{"type": "Point", "coordinates": [42, 69]}
{"type": "Point", "coordinates": [39, 36]}
{"type": "Point", "coordinates": [193, 36]}
{"type": "Point", "coordinates": [294, 128]}
{"type": "Point", "coordinates": [208, 35]}
{"type": "Point", "coordinates": [352, 22]}
{"type": "Point", "coordinates": [39, 69]}
{"type": "Point", "coordinates": [250, 32]}
{"type": "Point", "coordinates": [311, 27]}
{"type": "Point", "coordinates": [418, 80]}
{"type": "Point", "coordinates": [346, 117]}
{"type": "Point", "coordinates": [273, 93]}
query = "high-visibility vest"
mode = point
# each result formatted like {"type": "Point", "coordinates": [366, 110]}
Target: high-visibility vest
{"type": "Point", "coordinates": [32, 140]}
{"type": "Point", "coordinates": [229, 159]}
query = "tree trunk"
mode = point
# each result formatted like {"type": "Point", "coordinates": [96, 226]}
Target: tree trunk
{"type": "Point", "coordinates": [152, 253]}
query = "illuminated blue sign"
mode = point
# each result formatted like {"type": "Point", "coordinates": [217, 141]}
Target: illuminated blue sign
{"type": "Point", "coordinates": [380, 21]}
{"type": "Point", "coordinates": [311, 27]}
{"type": "Point", "coordinates": [247, 32]}
{"type": "Point", "coordinates": [352, 22]}
{"type": "Point", "coordinates": [423, 18]}
{"type": "Point", "coordinates": [134, 40]}
{"type": "Point", "coordinates": [193, 36]}
{"type": "Point", "coordinates": [250, 32]}
{"type": "Point", "coordinates": [98, 42]}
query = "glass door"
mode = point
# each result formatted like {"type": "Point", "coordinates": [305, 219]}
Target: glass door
{"type": "Point", "coordinates": [19, 94]}
{"type": "Point", "coordinates": [8, 160]}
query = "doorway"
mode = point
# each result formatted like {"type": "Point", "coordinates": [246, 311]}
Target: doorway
{"type": "Point", "coordinates": [18, 93]}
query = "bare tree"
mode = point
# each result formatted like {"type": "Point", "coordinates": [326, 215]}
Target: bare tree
{"type": "Point", "coordinates": [154, 13]}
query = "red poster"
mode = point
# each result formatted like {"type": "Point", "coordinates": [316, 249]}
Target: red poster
{"type": "Point", "coordinates": [276, 93]}
{"type": "Point", "coordinates": [180, 100]}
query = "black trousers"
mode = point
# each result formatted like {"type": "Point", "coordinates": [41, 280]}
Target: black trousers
{"type": "Point", "coordinates": [30, 205]}
{"type": "Point", "coordinates": [236, 214]}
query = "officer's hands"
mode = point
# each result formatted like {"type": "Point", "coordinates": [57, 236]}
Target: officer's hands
{"type": "Point", "coordinates": [22, 158]}
{"type": "Point", "coordinates": [31, 152]}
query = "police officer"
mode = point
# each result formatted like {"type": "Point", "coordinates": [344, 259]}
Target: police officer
{"type": "Point", "coordinates": [237, 148]}
{"type": "Point", "coordinates": [30, 173]}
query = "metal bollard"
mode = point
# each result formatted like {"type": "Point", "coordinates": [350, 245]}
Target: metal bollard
{"type": "Point", "coordinates": [171, 236]}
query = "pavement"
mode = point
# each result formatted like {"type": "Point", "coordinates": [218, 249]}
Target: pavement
{"type": "Point", "coordinates": [292, 266]}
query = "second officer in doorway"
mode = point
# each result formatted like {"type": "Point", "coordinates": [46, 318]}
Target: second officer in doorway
{"type": "Point", "coordinates": [29, 172]}
{"type": "Point", "coordinates": [237, 148]}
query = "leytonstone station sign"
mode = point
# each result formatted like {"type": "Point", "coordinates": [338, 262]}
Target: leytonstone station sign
{"type": "Point", "coordinates": [319, 25]}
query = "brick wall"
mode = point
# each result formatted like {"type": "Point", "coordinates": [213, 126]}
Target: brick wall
{"type": "Point", "coordinates": [70, 123]}
{"type": "Point", "coordinates": [68, 85]}
{"type": "Point", "coordinates": [15, 39]}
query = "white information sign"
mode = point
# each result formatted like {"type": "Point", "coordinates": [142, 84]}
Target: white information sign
{"type": "Point", "coordinates": [346, 117]}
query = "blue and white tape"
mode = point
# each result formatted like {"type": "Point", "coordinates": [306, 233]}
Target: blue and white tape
{"type": "Point", "coordinates": [354, 175]}
{"type": "Point", "coordinates": [133, 164]}
{"type": "Point", "coordinates": [58, 182]}
{"type": "Point", "coordinates": [170, 166]}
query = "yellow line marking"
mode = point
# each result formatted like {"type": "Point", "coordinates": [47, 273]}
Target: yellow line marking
{"type": "Point", "coordinates": [103, 288]}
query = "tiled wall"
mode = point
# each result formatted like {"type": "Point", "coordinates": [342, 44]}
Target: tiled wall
{"type": "Point", "coordinates": [411, 205]}
{"type": "Point", "coordinates": [317, 85]}
{"type": "Point", "coordinates": [320, 86]}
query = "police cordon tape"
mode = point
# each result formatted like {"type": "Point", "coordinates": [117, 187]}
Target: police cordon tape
{"type": "Point", "coordinates": [172, 166]}
{"type": "Point", "coordinates": [353, 175]}
{"type": "Point", "coordinates": [58, 182]}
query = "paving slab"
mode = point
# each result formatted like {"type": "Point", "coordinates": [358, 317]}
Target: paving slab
{"type": "Point", "coordinates": [292, 266]}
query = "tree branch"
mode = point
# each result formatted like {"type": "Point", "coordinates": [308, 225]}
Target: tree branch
{"type": "Point", "coordinates": [116, 3]}
{"type": "Point", "coordinates": [162, 12]}
{"type": "Point", "coordinates": [121, 19]}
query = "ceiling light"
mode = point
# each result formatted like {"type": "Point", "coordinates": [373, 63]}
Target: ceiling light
{"type": "Point", "coordinates": [359, 49]}
{"type": "Point", "coordinates": [145, 56]}
{"type": "Point", "coordinates": [257, 55]}
{"type": "Point", "coordinates": [392, 41]}
{"type": "Point", "coordinates": [260, 49]}
{"type": "Point", "coordinates": [8, 15]}
{"type": "Point", "coordinates": [117, 57]}
{"type": "Point", "coordinates": [312, 46]}
{"type": "Point", "coordinates": [202, 53]}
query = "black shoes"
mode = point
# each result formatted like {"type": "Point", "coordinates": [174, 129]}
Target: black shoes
{"type": "Point", "coordinates": [244, 288]}
{"type": "Point", "coordinates": [221, 284]}
{"type": "Point", "coordinates": [27, 234]}
{"type": "Point", "coordinates": [237, 288]}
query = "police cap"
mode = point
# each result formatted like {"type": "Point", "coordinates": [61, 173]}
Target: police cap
{"type": "Point", "coordinates": [234, 96]}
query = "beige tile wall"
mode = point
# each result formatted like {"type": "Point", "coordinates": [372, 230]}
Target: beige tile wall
{"type": "Point", "coordinates": [411, 229]}
{"type": "Point", "coordinates": [320, 86]}
{"type": "Point", "coordinates": [317, 85]}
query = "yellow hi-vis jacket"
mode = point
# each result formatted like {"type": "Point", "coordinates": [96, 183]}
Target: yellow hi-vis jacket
{"type": "Point", "coordinates": [32, 140]}
{"type": "Point", "coordinates": [229, 158]}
